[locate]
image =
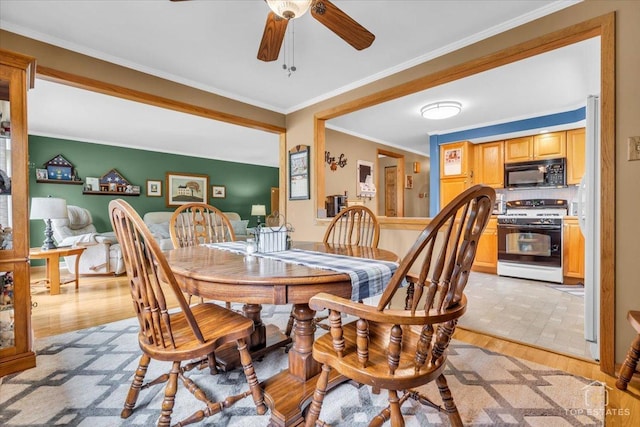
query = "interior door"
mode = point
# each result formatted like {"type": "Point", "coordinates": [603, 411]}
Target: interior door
{"type": "Point", "coordinates": [390, 191]}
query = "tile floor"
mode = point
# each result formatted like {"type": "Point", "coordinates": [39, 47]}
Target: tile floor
{"type": "Point", "coordinates": [527, 311]}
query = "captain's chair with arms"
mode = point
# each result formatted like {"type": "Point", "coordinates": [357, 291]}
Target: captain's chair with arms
{"type": "Point", "coordinates": [401, 350]}
{"type": "Point", "coordinates": [102, 254]}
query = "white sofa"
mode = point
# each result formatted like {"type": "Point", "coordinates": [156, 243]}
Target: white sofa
{"type": "Point", "coordinates": [158, 224]}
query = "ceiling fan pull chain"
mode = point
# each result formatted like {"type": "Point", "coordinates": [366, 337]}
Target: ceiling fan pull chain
{"type": "Point", "coordinates": [289, 44]}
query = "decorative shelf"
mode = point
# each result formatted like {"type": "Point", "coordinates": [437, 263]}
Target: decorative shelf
{"type": "Point", "coordinates": [110, 193]}
{"type": "Point", "coordinates": [58, 181]}
{"type": "Point", "coordinates": [111, 183]}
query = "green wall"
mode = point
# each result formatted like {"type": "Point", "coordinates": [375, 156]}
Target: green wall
{"type": "Point", "coordinates": [245, 184]}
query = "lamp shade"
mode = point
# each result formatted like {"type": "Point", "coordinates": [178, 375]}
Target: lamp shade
{"type": "Point", "coordinates": [258, 210]}
{"type": "Point", "coordinates": [441, 110]}
{"type": "Point", "coordinates": [289, 9]}
{"type": "Point", "coordinates": [48, 208]}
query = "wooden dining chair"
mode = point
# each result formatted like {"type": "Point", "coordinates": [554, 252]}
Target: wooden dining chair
{"type": "Point", "coordinates": [631, 361]}
{"type": "Point", "coordinates": [191, 333]}
{"type": "Point", "coordinates": [400, 350]}
{"type": "Point", "coordinates": [196, 223]}
{"type": "Point", "coordinates": [355, 225]}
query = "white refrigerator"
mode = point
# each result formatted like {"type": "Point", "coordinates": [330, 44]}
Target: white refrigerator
{"type": "Point", "coordinates": [589, 220]}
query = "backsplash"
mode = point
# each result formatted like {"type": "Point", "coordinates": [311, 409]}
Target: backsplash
{"type": "Point", "coordinates": [568, 193]}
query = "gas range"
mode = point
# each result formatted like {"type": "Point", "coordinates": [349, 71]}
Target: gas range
{"type": "Point", "coordinates": [534, 212]}
{"type": "Point", "coordinates": [530, 239]}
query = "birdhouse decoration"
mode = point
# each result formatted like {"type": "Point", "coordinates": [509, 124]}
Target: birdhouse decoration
{"type": "Point", "coordinates": [60, 169]}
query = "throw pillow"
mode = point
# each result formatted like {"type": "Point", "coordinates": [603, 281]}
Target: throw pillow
{"type": "Point", "coordinates": [160, 230]}
{"type": "Point", "coordinates": [240, 227]}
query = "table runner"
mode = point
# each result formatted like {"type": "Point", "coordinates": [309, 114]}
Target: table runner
{"type": "Point", "coordinates": [368, 276]}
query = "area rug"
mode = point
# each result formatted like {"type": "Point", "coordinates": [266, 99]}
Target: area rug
{"type": "Point", "coordinates": [82, 379]}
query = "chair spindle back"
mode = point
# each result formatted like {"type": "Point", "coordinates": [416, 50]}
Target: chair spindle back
{"type": "Point", "coordinates": [196, 223]}
{"type": "Point", "coordinates": [151, 280]}
{"type": "Point", "coordinates": [355, 225]}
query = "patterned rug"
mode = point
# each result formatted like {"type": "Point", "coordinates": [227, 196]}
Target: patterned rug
{"type": "Point", "coordinates": [82, 379]}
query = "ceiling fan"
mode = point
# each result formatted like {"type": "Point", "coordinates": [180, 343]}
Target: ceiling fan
{"type": "Point", "coordinates": [324, 11]}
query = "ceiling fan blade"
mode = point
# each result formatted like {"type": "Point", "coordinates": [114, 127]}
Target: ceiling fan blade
{"type": "Point", "coordinates": [342, 24]}
{"type": "Point", "coordinates": [272, 37]}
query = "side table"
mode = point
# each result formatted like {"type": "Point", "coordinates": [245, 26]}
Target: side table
{"type": "Point", "coordinates": [52, 256]}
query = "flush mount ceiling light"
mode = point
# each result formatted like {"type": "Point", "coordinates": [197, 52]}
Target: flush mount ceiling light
{"type": "Point", "coordinates": [441, 110]}
{"type": "Point", "coordinates": [289, 9]}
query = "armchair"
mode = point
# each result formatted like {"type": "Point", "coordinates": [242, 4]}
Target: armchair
{"type": "Point", "coordinates": [102, 254]}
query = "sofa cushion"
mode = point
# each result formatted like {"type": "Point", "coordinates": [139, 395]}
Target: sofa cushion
{"type": "Point", "coordinates": [160, 230]}
{"type": "Point", "coordinates": [240, 227]}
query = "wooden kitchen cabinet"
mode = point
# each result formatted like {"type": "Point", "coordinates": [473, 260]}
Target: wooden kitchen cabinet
{"type": "Point", "coordinates": [456, 160]}
{"type": "Point", "coordinates": [518, 149]}
{"type": "Point", "coordinates": [17, 73]}
{"type": "Point", "coordinates": [537, 147]}
{"type": "Point", "coordinates": [486, 259]}
{"type": "Point", "coordinates": [550, 145]}
{"type": "Point", "coordinates": [575, 155]}
{"type": "Point", "coordinates": [489, 160]}
{"type": "Point", "coordinates": [573, 249]}
{"type": "Point", "coordinates": [451, 187]}
{"type": "Point", "coordinates": [456, 170]}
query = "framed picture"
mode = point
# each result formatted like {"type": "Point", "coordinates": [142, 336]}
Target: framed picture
{"type": "Point", "coordinates": [299, 173]}
{"type": "Point", "coordinates": [182, 188]}
{"type": "Point", "coordinates": [154, 188]}
{"type": "Point", "coordinates": [41, 174]}
{"type": "Point", "coordinates": [92, 183]}
{"type": "Point", "coordinates": [408, 181]}
{"type": "Point", "coordinates": [218, 191]}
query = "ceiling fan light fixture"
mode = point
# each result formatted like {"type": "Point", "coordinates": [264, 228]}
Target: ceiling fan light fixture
{"type": "Point", "coordinates": [441, 110]}
{"type": "Point", "coordinates": [289, 9]}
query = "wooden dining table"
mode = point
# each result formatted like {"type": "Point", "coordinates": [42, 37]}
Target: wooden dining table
{"type": "Point", "coordinates": [227, 276]}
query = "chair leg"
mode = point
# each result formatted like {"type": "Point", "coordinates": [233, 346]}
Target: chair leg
{"type": "Point", "coordinates": [290, 324]}
{"type": "Point", "coordinates": [447, 400]}
{"type": "Point", "coordinates": [394, 405]}
{"type": "Point", "coordinates": [252, 379]}
{"type": "Point", "coordinates": [318, 397]}
{"type": "Point", "coordinates": [136, 385]}
{"type": "Point", "coordinates": [629, 366]}
{"type": "Point", "coordinates": [169, 396]}
{"type": "Point", "coordinates": [213, 363]}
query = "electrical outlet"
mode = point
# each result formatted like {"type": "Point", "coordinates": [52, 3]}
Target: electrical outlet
{"type": "Point", "coordinates": [634, 148]}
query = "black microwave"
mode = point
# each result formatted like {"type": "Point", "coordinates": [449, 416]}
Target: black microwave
{"type": "Point", "coordinates": [536, 174]}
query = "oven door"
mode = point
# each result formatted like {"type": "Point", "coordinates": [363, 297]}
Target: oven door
{"type": "Point", "coordinates": [530, 244]}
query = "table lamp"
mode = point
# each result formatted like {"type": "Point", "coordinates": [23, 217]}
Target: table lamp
{"type": "Point", "coordinates": [48, 208]}
{"type": "Point", "coordinates": [258, 210]}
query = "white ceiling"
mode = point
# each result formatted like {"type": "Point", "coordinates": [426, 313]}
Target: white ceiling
{"type": "Point", "coordinates": [212, 45]}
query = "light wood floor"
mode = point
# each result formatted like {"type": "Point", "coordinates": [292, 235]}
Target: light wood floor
{"type": "Point", "coordinates": [106, 299]}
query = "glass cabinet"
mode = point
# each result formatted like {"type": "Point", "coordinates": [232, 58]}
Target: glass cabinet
{"type": "Point", "coordinates": [17, 73]}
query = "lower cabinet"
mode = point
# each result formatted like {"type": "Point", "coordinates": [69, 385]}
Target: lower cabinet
{"type": "Point", "coordinates": [486, 260]}
{"type": "Point", "coordinates": [573, 249]}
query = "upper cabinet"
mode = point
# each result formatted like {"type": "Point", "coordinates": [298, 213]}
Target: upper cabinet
{"type": "Point", "coordinates": [456, 160]}
{"type": "Point", "coordinates": [546, 146]}
{"type": "Point", "coordinates": [518, 149]}
{"type": "Point", "coordinates": [550, 145]}
{"type": "Point", "coordinates": [489, 160]}
{"type": "Point", "coordinates": [17, 74]}
{"type": "Point", "coordinates": [575, 155]}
